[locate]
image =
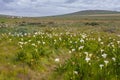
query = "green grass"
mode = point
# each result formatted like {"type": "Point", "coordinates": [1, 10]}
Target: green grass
{"type": "Point", "coordinates": [64, 49]}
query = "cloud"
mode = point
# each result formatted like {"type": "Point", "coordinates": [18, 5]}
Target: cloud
{"type": "Point", "coordinates": [54, 7]}
{"type": "Point", "coordinates": [71, 1]}
{"type": "Point", "coordinates": [8, 1]}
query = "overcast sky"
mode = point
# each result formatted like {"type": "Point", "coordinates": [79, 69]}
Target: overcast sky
{"type": "Point", "coordinates": [54, 7]}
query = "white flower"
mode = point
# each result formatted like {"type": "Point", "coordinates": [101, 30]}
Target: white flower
{"type": "Point", "coordinates": [29, 40]}
{"type": "Point", "coordinates": [101, 66]}
{"type": "Point", "coordinates": [110, 38]}
{"type": "Point", "coordinates": [86, 53]}
{"type": "Point", "coordinates": [34, 35]}
{"type": "Point", "coordinates": [10, 39]}
{"type": "Point", "coordinates": [108, 45]}
{"type": "Point", "coordinates": [89, 63]}
{"type": "Point", "coordinates": [9, 33]}
{"type": "Point", "coordinates": [104, 55]}
{"type": "Point", "coordinates": [118, 35]}
{"type": "Point", "coordinates": [43, 43]}
{"type": "Point", "coordinates": [21, 46]}
{"type": "Point", "coordinates": [101, 43]}
{"type": "Point", "coordinates": [70, 52]}
{"type": "Point", "coordinates": [75, 72]}
{"type": "Point", "coordinates": [73, 50]}
{"type": "Point", "coordinates": [102, 50]}
{"type": "Point", "coordinates": [113, 45]}
{"type": "Point", "coordinates": [81, 47]}
{"type": "Point", "coordinates": [55, 40]}
{"type": "Point", "coordinates": [21, 43]}
{"type": "Point", "coordinates": [87, 59]}
{"type": "Point", "coordinates": [61, 33]}
{"type": "Point", "coordinates": [25, 42]}
{"type": "Point", "coordinates": [106, 62]}
{"type": "Point", "coordinates": [25, 34]}
{"type": "Point", "coordinates": [57, 60]}
{"type": "Point", "coordinates": [70, 41]}
{"type": "Point", "coordinates": [76, 42]}
{"type": "Point", "coordinates": [83, 35]}
{"type": "Point", "coordinates": [99, 39]}
{"type": "Point", "coordinates": [38, 42]}
{"type": "Point", "coordinates": [113, 59]}
{"type": "Point", "coordinates": [33, 44]}
{"type": "Point", "coordinates": [60, 38]}
{"type": "Point", "coordinates": [118, 42]}
{"type": "Point", "coordinates": [82, 41]}
{"type": "Point", "coordinates": [87, 39]}
{"type": "Point", "coordinates": [90, 55]}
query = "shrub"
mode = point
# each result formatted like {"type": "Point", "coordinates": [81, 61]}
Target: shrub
{"type": "Point", "coordinates": [92, 24]}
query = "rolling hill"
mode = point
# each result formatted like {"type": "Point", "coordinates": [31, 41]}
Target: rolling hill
{"type": "Point", "coordinates": [93, 12]}
{"type": "Point", "coordinates": [3, 15]}
{"type": "Point", "coordinates": [81, 13]}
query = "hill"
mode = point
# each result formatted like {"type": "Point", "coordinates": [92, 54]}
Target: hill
{"type": "Point", "coordinates": [9, 16]}
{"type": "Point", "coordinates": [80, 13]}
{"type": "Point", "coordinates": [3, 15]}
{"type": "Point", "coordinates": [93, 12]}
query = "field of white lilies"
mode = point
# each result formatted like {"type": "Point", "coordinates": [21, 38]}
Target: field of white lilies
{"type": "Point", "coordinates": [53, 54]}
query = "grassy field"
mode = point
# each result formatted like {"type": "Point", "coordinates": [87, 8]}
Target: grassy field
{"type": "Point", "coordinates": [60, 48]}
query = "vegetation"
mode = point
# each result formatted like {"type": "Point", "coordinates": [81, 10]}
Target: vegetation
{"type": "Point", "coordinates": [60, 48]}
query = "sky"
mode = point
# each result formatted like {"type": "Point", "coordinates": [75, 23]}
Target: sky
{"type": "Point", "coordinates": [54, 7]}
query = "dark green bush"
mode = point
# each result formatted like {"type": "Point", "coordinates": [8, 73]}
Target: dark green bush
{"type": "Point", "coordinates": [92, 23]}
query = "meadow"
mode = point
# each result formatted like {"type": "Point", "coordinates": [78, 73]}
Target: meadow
{"type": "Point", "coordinates": [60, 48]}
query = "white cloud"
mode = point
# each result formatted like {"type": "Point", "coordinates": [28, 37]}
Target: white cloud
{"type": "Point", "coordinates": [54, 7]}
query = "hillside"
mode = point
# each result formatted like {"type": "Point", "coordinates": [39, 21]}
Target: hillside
{"type": "Point", "coordinates": [2, 15]}
{"type": "Point", "coordinates": [93, 12]}
{"type": "Point", "coordinates": [81, 13]}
